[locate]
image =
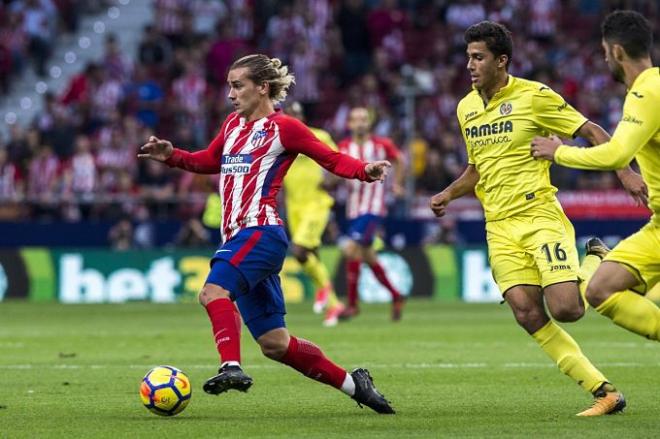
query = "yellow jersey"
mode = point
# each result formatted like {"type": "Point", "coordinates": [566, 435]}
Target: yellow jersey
{"type": "Point", "coordinates": [304, 178]}
{"type": "Point", "coordinates": [636, 136]}
{"type": "Point", "coordinates": [498, 138]}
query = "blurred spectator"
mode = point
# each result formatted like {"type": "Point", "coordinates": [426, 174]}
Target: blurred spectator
{"type": "Point", "coordinates": [40, 30]}
{"type": "Point", "coordinates": [352, 21]}
{"type": "Point", "coordinates": [224, 51]}
{"type": "Point", "coordinates": [189, 93]}
{"type": "Point", "coordinates": [154, 51]}
{"type": "Point", "coordinates": [463, 13]}
{"type": "Point", "coordinates": [11, 184]}
{"type": "Point", "coordinates": [121, 235]}
{"type": "Point", "coordinates": [80, 174]}
{"type": "Point", "coordinates": [144, 97]}
{"type": "Point", "coordinates": [192, 234]}
{"type": "Point", "coordinates": [155, 182]}
{"type": "Point", "coordinates": [117, 65]}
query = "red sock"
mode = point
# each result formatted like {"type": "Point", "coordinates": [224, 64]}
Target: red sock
{"type": "Point", "coordinates": [382, 278]}
{"type": "Point", "coordinates": [352, 276]}
{"type": "Point", "coordinates": [226, 323]}
{"type": "Point", "coordinates": [308, 359]}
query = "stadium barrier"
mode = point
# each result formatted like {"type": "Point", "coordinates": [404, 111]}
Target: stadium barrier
{"type": "Point", "coordinates": [38, 274]}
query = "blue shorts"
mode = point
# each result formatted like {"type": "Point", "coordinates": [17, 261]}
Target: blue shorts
{"type": "Point", "coordinates": [248, 266]}
{"type": "Point", "coordinates": [363, 228]}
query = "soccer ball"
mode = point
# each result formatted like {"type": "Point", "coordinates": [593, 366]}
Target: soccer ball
{"type": "Point", "coordinates": [165, 391]}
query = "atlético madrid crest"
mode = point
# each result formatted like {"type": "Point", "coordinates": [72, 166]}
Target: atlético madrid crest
{"type": "Point", "coordinates": [505, 108]}
{"type": "Point", "coordinates": [258, 138]}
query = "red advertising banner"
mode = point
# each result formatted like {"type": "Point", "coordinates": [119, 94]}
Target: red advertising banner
{"type": "Point", "coordinates": [612, 204]}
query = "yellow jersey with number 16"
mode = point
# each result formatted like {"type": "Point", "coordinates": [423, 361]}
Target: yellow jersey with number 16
{"type": "Point", "coordinates": [498, 136]}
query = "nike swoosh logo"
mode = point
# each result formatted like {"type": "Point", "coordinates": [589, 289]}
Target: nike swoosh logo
{"type": "Point", "coordinates": [220, 251]}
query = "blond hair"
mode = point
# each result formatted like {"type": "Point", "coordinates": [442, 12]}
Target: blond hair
{"type": "Point", "coordinates": [270, 70]}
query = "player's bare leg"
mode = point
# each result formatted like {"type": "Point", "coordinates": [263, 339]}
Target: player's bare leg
{"type": "Point", "coordinates": [527, 304]}
{"type": "Point", "coordinates": [308, 359]}
{"type": "Point", "coordinates": [226, 323]}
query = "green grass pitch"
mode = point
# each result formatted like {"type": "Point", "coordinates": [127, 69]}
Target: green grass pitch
{"type": "Point", "coordinates": [451, 370]}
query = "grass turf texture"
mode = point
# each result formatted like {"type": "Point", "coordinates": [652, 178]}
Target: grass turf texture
{"type": "Point", "coordinates": [450, 370]}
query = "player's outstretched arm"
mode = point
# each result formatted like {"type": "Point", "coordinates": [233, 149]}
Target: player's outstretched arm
{"type": "Point", "coordinates": [297, 138]}
{"type": "Point", "coordinates": [463, 185]}
{"type": "Point", "coordinates": [631, 181]}
{"type": "Point", "coordinates": [206, 161]}
{"type": "Point", "coordinates": [546, 148]}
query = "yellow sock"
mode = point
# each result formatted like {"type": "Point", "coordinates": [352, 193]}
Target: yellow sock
{"type": "Point", "coordinates": [567, 354]}
{"type": "Point", "coordinates": [634, 312]}
{"type": "Point", "coordinates": [587, 269]}
{"type": "Point", "coordinates": [315, 269]}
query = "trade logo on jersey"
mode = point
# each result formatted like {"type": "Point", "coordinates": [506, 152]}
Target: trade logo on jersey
{"type": "Point", "coordinates": [258, 138]}
{"type": "Point", "coordinates": [236, 163]}
{"type": "Point", "coordinates": [505, 108]}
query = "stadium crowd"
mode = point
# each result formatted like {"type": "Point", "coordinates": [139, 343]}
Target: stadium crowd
{"type": "Point", "coordinates": [77, 159]}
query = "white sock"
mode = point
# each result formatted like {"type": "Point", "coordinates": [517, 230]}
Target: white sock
{"type": "Point", "coordinates": [230, 363]}
{"type": "Point", "coordinates": [348, 387]}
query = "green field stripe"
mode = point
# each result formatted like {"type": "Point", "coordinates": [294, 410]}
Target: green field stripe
{"type": "Point", "coordinates": [41, 273]}
{"type": "Point", "coordinates": [442, 259]}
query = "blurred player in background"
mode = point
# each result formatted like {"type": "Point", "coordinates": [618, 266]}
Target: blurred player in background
{"type": "Point", "coordinates": [531, 242]}
{"type": "Point", "coordinates": [308, 211]}
{"type": "Point", "coordinates": [629, 271]}
{"type": "Point", "coordinates": [252, 152]}
{"type": "Point", "coordinates": [366, 209]}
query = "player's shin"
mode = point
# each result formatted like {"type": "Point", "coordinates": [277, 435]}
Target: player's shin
{"type": "Point", "coordinates": [633, 312]}
{"type": "Point", "coordinates": [315, 269]}
{"type": "Point", "coordinates": [308, 359]}
{"type": "Point", "coordinates": [588, 267]}
{"type": "Point", "coordinates": [226, 324]}
{"type": "Point", "coordinates": [561, 347]}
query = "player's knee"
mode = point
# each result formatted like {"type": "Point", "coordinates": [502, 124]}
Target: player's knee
{"type": "Point", "coordinates": [274, 349]}
{"type": "Point", "coordinates": [531, 319]}
{"type": "Point", "coordinates": [300, 253]}
{"type": "Point", "coordinates": [210, 293]}
{"type": "Point", "coordinates": [569, 313]}
{"type": "Point", "coordinates": [596, 293]}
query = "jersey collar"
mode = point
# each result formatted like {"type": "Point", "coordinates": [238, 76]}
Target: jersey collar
{"type": "Point", "coordinates": [502, 92]}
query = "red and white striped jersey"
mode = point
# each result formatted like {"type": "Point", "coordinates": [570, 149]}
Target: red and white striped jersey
{"type": "Point", "coordinates": [252, 159]}
{"type": "Point", "coordinates": [366, 199]}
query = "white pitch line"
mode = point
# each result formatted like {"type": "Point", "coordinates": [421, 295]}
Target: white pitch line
{"type": "Point", "coordinates": [368, 365]}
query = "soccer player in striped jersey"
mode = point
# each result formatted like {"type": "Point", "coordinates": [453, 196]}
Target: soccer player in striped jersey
{"type": "Point", "coordinates": [632, 268]}
{"type": "Point", "coordinates": [252, 152]}
{"type": "Point", "coordinates": [531, 242]}
{"type": "Point", "coordinates": [308, 211]}
{"type": "Point", "coordinates": [366, 209]}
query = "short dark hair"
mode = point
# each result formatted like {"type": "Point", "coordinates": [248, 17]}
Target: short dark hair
{"type": "Point", "coordinates": [496, 36]}
{"type": "Point", "coordinates": [631, 30]}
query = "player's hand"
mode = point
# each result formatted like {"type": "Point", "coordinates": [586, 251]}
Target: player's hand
{"type": "Point", "coordinates": [156, 149]}
{"type": "Point", "coordinates": [377, 171]}
{"type": "Point", "coordinates": [545, 147]}
{"type": "Point", "coordinates": [439, 203]}
{"type": "Point", "coordinates": [634, 184]}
